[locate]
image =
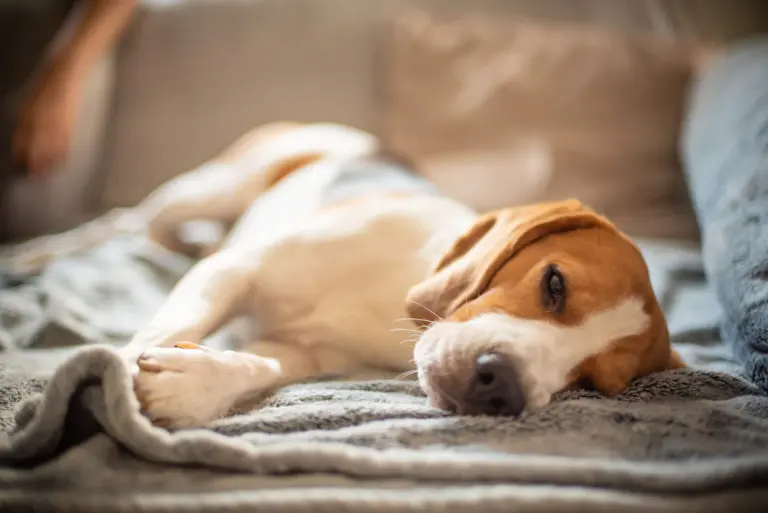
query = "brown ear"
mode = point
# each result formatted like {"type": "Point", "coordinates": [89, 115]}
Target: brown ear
{"type": "Point", "coordinates": [465, 270]}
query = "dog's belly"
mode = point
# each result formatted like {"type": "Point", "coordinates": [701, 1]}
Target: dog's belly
{"type": "Point", "coordinates": [335, 275]}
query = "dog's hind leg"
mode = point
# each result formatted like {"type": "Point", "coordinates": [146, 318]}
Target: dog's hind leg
{"type": "Point", "coordinates": [219, 190]}
{"type": "Point", "coordinates": [223, 188]}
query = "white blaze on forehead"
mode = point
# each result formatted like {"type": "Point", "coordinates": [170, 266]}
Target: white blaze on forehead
{"type": "Point", "coordinates": [544, 352]}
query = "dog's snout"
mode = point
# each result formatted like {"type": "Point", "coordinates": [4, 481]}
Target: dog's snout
{"type": "Point", "coordinates": [495, 388]}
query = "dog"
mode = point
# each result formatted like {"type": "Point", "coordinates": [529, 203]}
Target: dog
{"type": "Point", "coordinates": [332, 246]}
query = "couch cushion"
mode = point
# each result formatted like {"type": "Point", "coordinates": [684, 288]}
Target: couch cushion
{"type": "Point", "coordinates": [508, 112]}
{"type": "Point", "coordinates": [193, 76]}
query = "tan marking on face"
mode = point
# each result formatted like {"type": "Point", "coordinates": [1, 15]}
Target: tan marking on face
{"type": "Point", "coordinates": [497, 268]}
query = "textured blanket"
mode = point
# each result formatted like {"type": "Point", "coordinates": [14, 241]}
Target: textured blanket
{"type": "Point", "coordinates": [693, 440]}
{"type": "Point", "coordinates": [725, 152]}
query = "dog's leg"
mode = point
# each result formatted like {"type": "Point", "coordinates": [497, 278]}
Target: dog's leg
{"type": "Point", "coordinates": [190, 386]}
{"type": "Point", "coordinates": [215, 290]}
{"type": "Point", "coordinates": [219, 190]}
{"type": "Point", "coordinates": [222, 189]}
{"type": "Point", "coordinates": [215, 191]}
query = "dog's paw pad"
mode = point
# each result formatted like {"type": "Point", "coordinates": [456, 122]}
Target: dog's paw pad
{"type": "Point", "coordinates": [179, 388]}
{"type": "Point", "coordinates": [182, 388]}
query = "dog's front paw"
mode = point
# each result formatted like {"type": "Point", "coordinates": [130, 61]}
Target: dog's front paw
{"type": "Point", "coordinates": [190, 386]}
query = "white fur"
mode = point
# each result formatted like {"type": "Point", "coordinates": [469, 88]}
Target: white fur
{"type": "Point", "coordinates": [543, 352]}
{"type": "Point", "coordinates": [324, 287]}
{"type": "Point", "coordinates": [217, 190]}
{"type": "Point", "coordinates": [321, 289]}
{"type": "Point", "coordinates": [188, 387]}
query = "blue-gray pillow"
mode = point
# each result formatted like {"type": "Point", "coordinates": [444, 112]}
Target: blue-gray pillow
{"type": "Point", "coordinates": [725, 157]}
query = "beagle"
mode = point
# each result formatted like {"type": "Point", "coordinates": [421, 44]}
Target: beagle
{"type": "Point", "coordinates": [335, 248]}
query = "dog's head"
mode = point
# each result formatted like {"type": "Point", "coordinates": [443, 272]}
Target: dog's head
{"type": "Point", "coordinates": [531, 301]}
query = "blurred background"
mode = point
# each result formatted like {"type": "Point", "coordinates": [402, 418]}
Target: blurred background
{"type": "Point", "coordinates": [499, 101]}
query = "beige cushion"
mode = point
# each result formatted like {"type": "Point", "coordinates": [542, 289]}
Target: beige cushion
{"type": "Point", "coordinates": [502, 112]}
{"type": "Point", "coordinates": [195, 75]}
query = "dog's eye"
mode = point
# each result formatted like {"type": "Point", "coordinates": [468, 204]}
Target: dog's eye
{"type": "Point", "coordinates": [553, 289]}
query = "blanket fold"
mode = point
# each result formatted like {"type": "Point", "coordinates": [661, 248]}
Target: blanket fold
{"type": "Point", "coordinates": [72, 437]}
{"type": "Point", "coordinates": [682, 432]}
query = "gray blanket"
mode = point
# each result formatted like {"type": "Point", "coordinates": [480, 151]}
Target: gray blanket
{"type": "Point", "coordinates": [690, 440]}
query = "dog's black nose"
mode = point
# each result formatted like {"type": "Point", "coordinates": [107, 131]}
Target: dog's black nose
{"type": "Point", "coordinates": [495, 388]}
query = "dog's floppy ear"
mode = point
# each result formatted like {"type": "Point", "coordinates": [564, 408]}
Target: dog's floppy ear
{"type": "Point", "coordinates": [465, 271]}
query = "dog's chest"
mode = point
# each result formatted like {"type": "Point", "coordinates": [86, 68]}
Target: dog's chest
{"type": "Point", "coordinates": [332, 271]}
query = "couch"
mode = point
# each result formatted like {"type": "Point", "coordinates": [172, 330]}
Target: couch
{"type": "Point", "coordinates": [192, 75]}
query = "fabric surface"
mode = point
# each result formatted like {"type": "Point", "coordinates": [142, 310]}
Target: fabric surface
{"type": "Point", "coordinates": [193, 75]}
{"type": "Point", "coordinates": [690, 440]}
{"type": "Point", "coordinates": [725, 149]}
{"type": "Point", "coordinates": [543, 111]}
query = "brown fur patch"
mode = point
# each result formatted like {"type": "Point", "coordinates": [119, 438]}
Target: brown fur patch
{"type": "Point", "coordinates": [241, 152]}
{"type": "Point", "coordinates": [497, 267]}
{"type": "Point", "coordinates": [289, 166]}
{"type": "Point", "coordinates": [253, 138]}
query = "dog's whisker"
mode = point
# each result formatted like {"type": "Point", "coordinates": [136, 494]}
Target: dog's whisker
{"type": "Point", "coordinates": [413, 333]}
{"type": "Point", "coordinates": [407, 374]}
{"type": "Point", "coordinates": [425, 308]}
{"type": "Point", "coordinates": [412, 339]}
{"type": "Point", "coordinates": [414, 319]}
